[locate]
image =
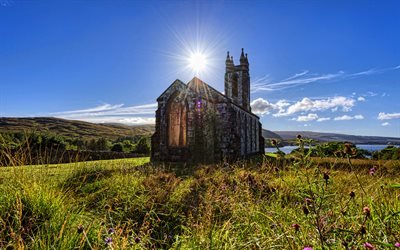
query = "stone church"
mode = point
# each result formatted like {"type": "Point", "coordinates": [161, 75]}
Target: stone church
{"type": "Point", "coordinates": [196, 123]}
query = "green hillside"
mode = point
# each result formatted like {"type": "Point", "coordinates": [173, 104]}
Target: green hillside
{"type": "Point", "coordinates": [72, 128]}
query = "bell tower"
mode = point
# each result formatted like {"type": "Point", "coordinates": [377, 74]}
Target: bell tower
{"type": "Point", "coordinates": [237, 81]}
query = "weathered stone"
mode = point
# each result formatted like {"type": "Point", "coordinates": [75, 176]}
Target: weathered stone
{"type": "Point", "coordinates": [196, 123]}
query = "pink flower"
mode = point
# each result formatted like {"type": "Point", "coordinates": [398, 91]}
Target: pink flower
{"type": "Point", "coordinates": [372, 171]}
{"type": "Point", "coordinates": [397, 244]}
{"type": "Point", "coordinates": [308, 248]}
{"type": "Point", "coordinates": [369, 246]}
{"type": "Point", "coordinates": [296, 227]}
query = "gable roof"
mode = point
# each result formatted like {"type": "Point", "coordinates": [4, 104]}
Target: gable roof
{"type": "Point", "coordinates": [204, 89]}
{"type": "Point", "coordinates": [177, 84]}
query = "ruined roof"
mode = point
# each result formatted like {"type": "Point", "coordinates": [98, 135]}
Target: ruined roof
{"type": "Point", "coordinates": [205, 90]}
{"type": "Point", "coordinates": [202, 88]}
{"type": "Point", "coordinates": [176, 84]}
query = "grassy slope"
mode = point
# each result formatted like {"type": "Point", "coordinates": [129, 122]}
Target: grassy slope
{"type": "Point", "coordinates": [246, 206]}
{"type": "Point", "coordinates": [71, 128]}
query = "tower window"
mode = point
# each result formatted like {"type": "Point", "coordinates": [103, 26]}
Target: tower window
{"type": "Point", "coordinates": [234, 85]}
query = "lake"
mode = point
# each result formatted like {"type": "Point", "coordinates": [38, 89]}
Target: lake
{"type": "Point", "coordinates": [369, 147]}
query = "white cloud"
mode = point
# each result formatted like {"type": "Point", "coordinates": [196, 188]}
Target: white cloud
{"type": "Point", "coordinates": [361, 99]}
{"type": "Point", "coordinates": [322, 119]}
{"type": "Point", "coordinates": [385, 124]}
{"type": "Point", "coordinates": [261, 106]}
{"type": "Point", "coordinates": [100, 108]}
{"type": "Point", "coordinates": [263, 84]}
{"type": "Point", "coordinates": [306, 104]}
{"type": "Point", "coordinates": [306, 118]}
{"type": "Point", "coordinates": [107, 113]}
{"type": "Point", "coordinates": [389, 116]}
{"type": "Point", "coordinates": [305, 77]}
{"type": "Point", "coordinates": [347, 118]}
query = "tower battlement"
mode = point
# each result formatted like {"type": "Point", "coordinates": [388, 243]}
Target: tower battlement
{"type": "Point", "coordinates": [237, 81]}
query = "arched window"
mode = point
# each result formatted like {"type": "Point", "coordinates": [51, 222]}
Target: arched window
{"type": "Point", "coordinates": [177, 114]}
{"type": "Point", "coordinates": [235, 85]}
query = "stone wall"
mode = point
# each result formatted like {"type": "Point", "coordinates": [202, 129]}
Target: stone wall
{"type": "Point", "coordinates": [217, 129]}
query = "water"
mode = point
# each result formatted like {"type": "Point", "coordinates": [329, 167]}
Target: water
{"type": "Point", "coordinates": [369, 147]}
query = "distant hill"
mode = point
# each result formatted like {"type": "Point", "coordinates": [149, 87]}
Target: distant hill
{"type": "Point", "coordinates": [268, 134]}
{"type": "Point", "coordinates": [87, 130]}
{"type": "Point", "coordinates": [72, 128]}
{"type": "Point", "coordinates": [328, 137]}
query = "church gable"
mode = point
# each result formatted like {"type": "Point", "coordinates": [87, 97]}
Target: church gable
{"type": "Point", "coordinates": [206, 91]}
{"type": "Point", "coordinates": [177, 85]}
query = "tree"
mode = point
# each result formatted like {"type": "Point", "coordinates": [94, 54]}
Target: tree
{"type": "Point", "coordinates": [117, 147]}
{"type": "Point", "coordinates": [143, 146]}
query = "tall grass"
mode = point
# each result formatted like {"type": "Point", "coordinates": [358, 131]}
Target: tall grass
{"type": "Point", "coordinates": [267, 204]}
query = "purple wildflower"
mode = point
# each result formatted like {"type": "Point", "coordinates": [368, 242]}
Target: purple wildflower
{"type": "Point", "coordinates": [372, 171]}
{"type": "Point", "coordinates": [308, 248]}
{"type": "Point", "coordinates": [108, 241]}
{"type": "Point", "coordinates": [111, 230]}
{"type": "Point", "coordinates": [368, 245]}
{"type": "Point", "coordinates": [397, 244]}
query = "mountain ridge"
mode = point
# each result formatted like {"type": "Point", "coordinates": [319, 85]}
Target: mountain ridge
{"type": "Point", "coordinates": [88, 130]}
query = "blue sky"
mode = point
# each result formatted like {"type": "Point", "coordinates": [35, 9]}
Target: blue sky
{"type": "Point", "coordinates": [331, 66]}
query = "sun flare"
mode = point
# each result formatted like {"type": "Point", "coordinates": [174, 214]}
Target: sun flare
{"type": "Point", "coordinates": [197, 62]}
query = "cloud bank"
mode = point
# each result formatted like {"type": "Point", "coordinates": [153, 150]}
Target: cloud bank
{"type": "Point", "coordinates": [107, 113]}
{"type": "Point", "coordinates": [389, 116]}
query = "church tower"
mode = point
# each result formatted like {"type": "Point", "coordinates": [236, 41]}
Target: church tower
{"type": "Point", "coordinates": [237, 81]}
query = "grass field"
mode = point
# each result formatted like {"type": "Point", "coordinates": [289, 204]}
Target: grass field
{"type": "Point", "coordinates": [133, 204]}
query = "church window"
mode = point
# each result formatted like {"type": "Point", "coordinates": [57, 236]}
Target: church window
{"type": "Point", "coordinates": [177, 123]}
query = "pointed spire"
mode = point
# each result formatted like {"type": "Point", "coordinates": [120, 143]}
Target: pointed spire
{"type": "Point", "coordinates": [242, 58]}
{"type": "Point", "coordinates": [227, 57]}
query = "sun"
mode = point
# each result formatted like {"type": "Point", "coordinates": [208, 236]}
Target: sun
{"type": "Point", "coordinates": [197, 62]}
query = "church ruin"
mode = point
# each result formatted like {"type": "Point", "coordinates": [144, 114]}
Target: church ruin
{"type": "Point", "coordinates": [196, 123]}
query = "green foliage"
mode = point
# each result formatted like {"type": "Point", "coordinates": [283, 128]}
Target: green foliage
{"type": "Point", "coordinates": [143, 146]}
{"type": "Point", "coordinates": [247, 205]}
{"type": "Point", "coordinates": [333, 149]}
{"type": "Point", "coordinates": [388, 153]}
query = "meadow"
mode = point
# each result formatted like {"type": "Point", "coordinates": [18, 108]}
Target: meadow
{"type": "Point", "coordinates": [265, 203]}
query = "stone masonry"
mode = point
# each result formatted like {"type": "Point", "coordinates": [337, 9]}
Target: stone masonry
{"type": "Point", "coordinates": [196, 123]}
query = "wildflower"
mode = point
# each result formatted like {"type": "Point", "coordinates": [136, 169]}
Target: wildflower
{"type": "Point", "coordinates": [367, 211]}
{"type": "Point", "coordinates": [80, 229]}
{"type": "Point", "coordinates": [372, 171]}
{"type": "Point", "coordinates": [296, 226]}
{"type": "Point", "coordinates": [299, 136]}
{"type": "Point", "coordinates": [305, 210]}
{"type": "Point", "coordinates": [111, 230]}
{"type": "Point", "coordinates": [308, 248]}
{"type": "Point", "coordinates": [308, 201]}
{"type": "Point", "coordinates": [108, 241]}
{"type": "Point", "coordinates": [352, 194]}
{"type": "Point", "coordinates": [369, 246]}
{"type": "Point", "coordinates": [397, 244]}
